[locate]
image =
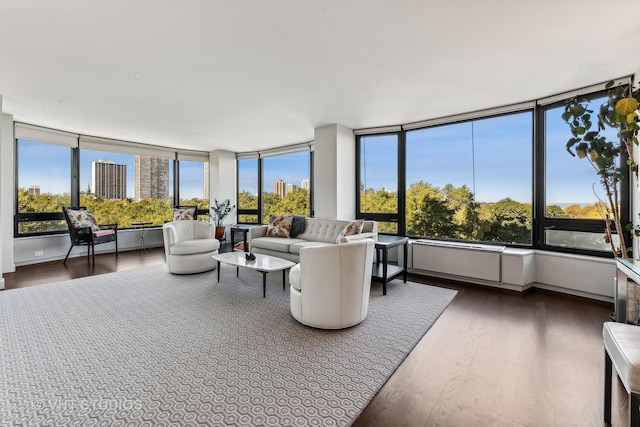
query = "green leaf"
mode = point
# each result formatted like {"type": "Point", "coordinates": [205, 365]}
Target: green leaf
{"type": "Point", "coordinates": [572, 141]}
{"type": "Point", "coordinates": [590, 135]}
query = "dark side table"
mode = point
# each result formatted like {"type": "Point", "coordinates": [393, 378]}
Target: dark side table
{"type": "Point", "coordinates": [383, 271]}
{"type": "Point", "coordinates": [143, 228]}
{"type": "Point", "coordinates": [240, 228]}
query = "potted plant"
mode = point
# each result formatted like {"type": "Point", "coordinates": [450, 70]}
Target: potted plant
{"type": "Point", "coordinates": [620, 112]}
{"type": "Point", "coordinates": [219, 212]}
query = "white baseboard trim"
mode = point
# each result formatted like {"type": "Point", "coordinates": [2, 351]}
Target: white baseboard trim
{"type": "Point", "coordinates": [517, 288]}
{"type": "Point", "coordinates": [463, 279]}
{"type": "Point", "coordinates": [573, 292]}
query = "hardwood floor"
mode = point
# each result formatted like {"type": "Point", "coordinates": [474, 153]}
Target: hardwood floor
{"type": "Point", "coordinates": [494, 358]}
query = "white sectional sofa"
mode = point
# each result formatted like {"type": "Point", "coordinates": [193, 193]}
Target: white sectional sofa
{"type": "Point", "coordinates": [317, 232]}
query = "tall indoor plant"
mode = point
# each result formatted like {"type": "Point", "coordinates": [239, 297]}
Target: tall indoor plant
{"type": "Point", "coordinates": [219, 212]}
{"type": "Point", "coordinates": [620, 111]}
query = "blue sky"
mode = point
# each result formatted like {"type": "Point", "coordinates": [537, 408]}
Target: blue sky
{"type": "Point", "coordinates": [48, 166]}
{"type": "Point", "coordinates": [491, 156]}
{"type": "Point", "coordinates": [291, 168]}
{"type": "Point", "coordinates": [495, 163]}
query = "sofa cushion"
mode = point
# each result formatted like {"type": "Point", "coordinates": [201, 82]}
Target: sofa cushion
{"type": "Point", "coordinates": [294, 248]}
{"type": "Point", "coordinates": [280, 226]}
{"type": "Point", "coordinates": [180, 214]}
{"type": "Point", "coordinates": [353, 228]}
{"type": "Point", "coordinates": [273, 243]}
{"type": "Point", "coordinates": [298, 224]}
{"type": "Point", "coordinates": [323, 230]}
{"type": "Point", "coordinates": [190, 247]}
{"type": "Point", "coordinates": [82, 218]}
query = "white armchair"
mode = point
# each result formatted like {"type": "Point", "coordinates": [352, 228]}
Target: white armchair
{"type": "Point", "coordinates": [189, 246]}
{"type": "Point", "coordinates": [330, 286]}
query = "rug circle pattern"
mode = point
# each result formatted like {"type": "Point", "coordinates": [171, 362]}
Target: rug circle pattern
{"type": "Point", "coordinates": [145, 347]}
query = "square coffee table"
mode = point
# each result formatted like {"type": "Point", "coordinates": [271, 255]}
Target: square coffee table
{"type": "Point", "coordinates": [262, 263]}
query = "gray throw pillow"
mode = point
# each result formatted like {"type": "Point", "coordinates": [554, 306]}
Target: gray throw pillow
{"type": "Point", "coordinates": [297, 227]}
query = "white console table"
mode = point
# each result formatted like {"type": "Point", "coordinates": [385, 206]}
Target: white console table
{"type": "Point", "coordinates": [625, 269]}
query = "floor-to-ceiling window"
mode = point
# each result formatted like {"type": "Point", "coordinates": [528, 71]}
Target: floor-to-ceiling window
{"type": "Point", "coordinates": [194, 183]}
{"type": "Point", "coordinates": [456, 180]}
{"type": "Point", "coordinates": [286, 184]}
{"type": "Point", "coordinates": [574, 200]}
{"type": "Point", "coordinates": [43, 185]}
{"type": "Point", "coordinates": [274, 182]}
{"type": "Point", "coordinates": [121, 182]}
{"type": "Point", "coordinates": [500, 176]}
{"type": "Point", "coordinates": [378, 180]}
{"type": "Point", "coordinates": [248, 191]}
{"type": "Point", "coordinates": [123, 185]}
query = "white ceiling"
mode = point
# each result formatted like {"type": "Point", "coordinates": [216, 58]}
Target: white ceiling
{"type": "Point", "coordinates": [246, 75]}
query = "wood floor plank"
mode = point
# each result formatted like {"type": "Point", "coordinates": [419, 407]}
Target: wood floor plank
{"type": "Point", "coordinates": [493, 358]}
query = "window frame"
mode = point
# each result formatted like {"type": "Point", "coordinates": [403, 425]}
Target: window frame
{"type": "Point", "coordinates": [399, 217]}
{"type": "Point", "coordinates": [542, 222]}
{"type": "Point", "coordinates": [260, 156]}
{"type": "Point", "coordinates": [51, 136]}
{"type": "Point", "coordinates": [539, 223]}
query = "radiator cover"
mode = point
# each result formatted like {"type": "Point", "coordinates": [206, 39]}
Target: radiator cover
{"type": "Point", "coordinates": [474, 261]}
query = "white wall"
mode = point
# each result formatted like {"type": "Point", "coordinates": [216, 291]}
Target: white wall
{"type": "Point", "coordinates": [56, 247]}
{"type": "Point", "coordinates": [2, 222]}
{"type": "Point", "coordinates": [334, 161]}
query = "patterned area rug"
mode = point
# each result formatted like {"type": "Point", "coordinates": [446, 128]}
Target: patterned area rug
{"type": "Point", "coordinates": [144, 347]}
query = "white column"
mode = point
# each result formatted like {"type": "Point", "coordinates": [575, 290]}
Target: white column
{"type": "Point", "coordinates": [4, 224]}
{"type": "Point", "coordinates": [334, 177]}
{"type": "Point", "coordinates": [7, 151]}
{"type": "Point", "coordinates": [222, 179]}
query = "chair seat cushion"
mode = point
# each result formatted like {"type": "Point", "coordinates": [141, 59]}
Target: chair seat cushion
{"type": "Point", "coordinates": [622, 342]}
{"type": "Point", "coordinates": [198, 246]}
{"type": "Point", "coordinates": [294, 248]}
{"type": "Point", "coordinates": [102, 233]}
{"type": "Point", "coordinates": [294, 277]}
{"type": "Point", "coordinates": [280, 244]}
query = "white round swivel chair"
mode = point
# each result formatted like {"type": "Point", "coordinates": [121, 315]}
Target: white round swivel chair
{"type": "Point", "coordinates": [330, 286]}
{"type": "Point", "coordinates": [189, 246]}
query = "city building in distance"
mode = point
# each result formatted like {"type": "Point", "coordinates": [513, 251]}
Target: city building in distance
{"type": "Point", "coordinates": [279, 188]}
{"type": "Point", "coordinates": [151, 176]}
{"type": "Point", "coordinates": [289, 188]}
{"type": "Point", "coordinates": [305, 184]}
{"type": "Point", "coordinates": [34, 190]}
{"type": "Point", "coordinates": [282, 189]}
{"type": "Point", "coordinates": [109, 179]}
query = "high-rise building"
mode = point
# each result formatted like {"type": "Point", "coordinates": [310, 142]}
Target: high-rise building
{"type": "Point", "coordinates": [34, 190]}
{"type": "Point", "coordinates": [151, 177]}
{"type": "Point", "coordinates": [289, 188]}
{"type": "Point", "coordinates": [109, 179]}
{"type": "Point", "coordinates": [305, 184]}
{"type": "Point", "coordinates": [279, 188]}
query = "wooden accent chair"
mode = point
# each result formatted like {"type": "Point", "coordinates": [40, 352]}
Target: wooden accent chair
{"type": "Point", "coordinates": [85, 230]}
